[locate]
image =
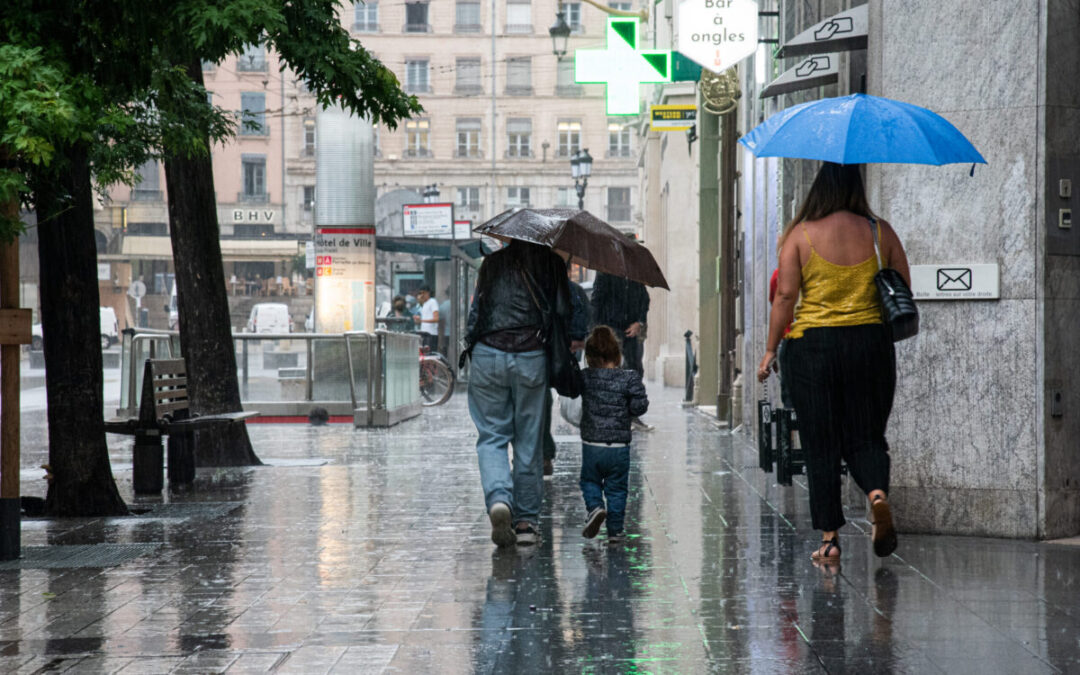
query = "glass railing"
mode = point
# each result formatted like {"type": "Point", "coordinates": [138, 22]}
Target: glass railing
{"type": "Point", "coordinates": [401, 369]}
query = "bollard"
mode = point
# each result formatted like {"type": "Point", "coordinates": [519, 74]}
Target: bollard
{"type": "Point", "coordinates": [181, 465]}
{"type": "Point", "coordinates": [148, 462]}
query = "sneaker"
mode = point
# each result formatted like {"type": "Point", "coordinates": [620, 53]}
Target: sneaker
{"type": "Point", "coordinates": [527, 536]}
{"type": "Point", "coordinates": [593, 522]}
{"type": "Point", "coordinates": [501, 533]}
{"type": "Point", "coordinates": [638, 425]}
{"type": "Point", "coordinates": [549, 468]}
{"type": "Point", "coordinates": [616, 539]}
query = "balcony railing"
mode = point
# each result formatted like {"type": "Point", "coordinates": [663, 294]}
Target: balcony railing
{"type": "Point", "coordinates": [518, 153]}
{"type": "Point", "coordinates": [252, 198]}
{"type": "Point", "coordinates": [259, 131]}
{"type": "Point", "coordinates": [416, 28]}
{"type": "Point", "coordinates": [468, 28]}
{"type": "Point", "coordinates": [566, 152]}
{"type": "Point", "coordinates": [519, 90]}
{"type": "Point", "coordinates": [519, 28]}
{"type": "Point", "coordinates": [574, 90]}
{"type": "Point", "coordinates": [144, 195]}
{"type": "Point", "coordinates": [468, 89]}
{"type": "Point", "coordinates": [245, 64]}
{"type": "Point", "coordinates": [418, 88]}
{"type": "Point", "coordinates": [462, 153]}
{"type": "Point", "coordinates": [618, 213]}
{"type": "Point", "coordinates": [417, 152]}
{"type": "Point", "coordinates": [361, 27]}
{"type": "Point", "coordinates": [618, 152]}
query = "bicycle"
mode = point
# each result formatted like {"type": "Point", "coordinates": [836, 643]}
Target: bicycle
{"type": "Point", "coordinates": [436, 378]}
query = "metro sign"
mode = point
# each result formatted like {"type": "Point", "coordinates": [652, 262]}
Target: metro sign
{"type": "Point", "coordinates": [622, 66]}
{"type": "Point", "coordinates": [717, 34]}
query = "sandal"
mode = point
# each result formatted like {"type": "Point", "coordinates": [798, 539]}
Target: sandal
{"type": "Point", "coordinates": [829, 551]}
{"type": "Point", "coordinates": [883, 534]}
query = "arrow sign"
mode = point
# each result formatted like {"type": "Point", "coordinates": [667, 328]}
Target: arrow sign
{"type": "Point", "coordinates": [841, 32]}
{"type": "Point", "coordinates": [814, 71]}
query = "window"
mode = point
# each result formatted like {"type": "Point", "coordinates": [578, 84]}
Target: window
{"type": "Point", "coordinates": [208, 66]}
{"type": "Point", "coordinates": [148, 189]}
{"type": "Point", "coordinates": [416, 138]}
{"type": "Point", "coordinates": [519, 137]}
{"type": "Point", "coordinates": [416, 76]}
{"type": "Point", "coordinates": [254, 170]}
{"type": "Point", "coordinates": [366, 16]}
{"type": "Point", "coordinates": [573, 16]}
{"type": "Point", "coordinates": [252, 230]}
{"type": "Point", "coordinates": [519, 76]}
{"type": "Point", "coordinates": [309, 197]}
{"type": "Point", "coordinates": [468, 137]}
{"type": "Point", "coordinates": [621, 6]}
{"type": "Point", "coordinates": [468, 76]}
{"type": "Point", "coordinates": [252, 59]}
{"type": "Point", "coordinates": [468, 198]}
{"type": "Point", "coordinates": [618, 204]}
{"type": "Point", "coordinates": [517, 196]}
{"type": "Point", "coordinates": [564, 81]}
{"type": "Point", "coordinates": [565, 197]}
{"type": "Point", "coordinates": [467, 17]}
{"type": "Point", "coordinates": [618, 140]}
{"type": "Point", "coordinates": [253, 114]}
{"type": "Point", "coordinates": [569, 137]}
{"type": "Point", "coordinates": [309, 137]}
{"type": "Point", "coordinates": [518, 16]}
{"type": "Point", "coordinates": [416, 17]}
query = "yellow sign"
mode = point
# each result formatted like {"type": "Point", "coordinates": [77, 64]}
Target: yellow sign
{"type": "Point", "coordinates": [672, 117]}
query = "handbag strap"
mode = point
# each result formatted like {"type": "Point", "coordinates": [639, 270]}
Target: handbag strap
{"type": "Point", "coordinates": [525, 276]}
{"type": "Point", "coordinates": [877, 249]}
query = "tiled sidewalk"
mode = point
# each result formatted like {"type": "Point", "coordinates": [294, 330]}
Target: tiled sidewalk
{"type": "Point", "coordinates": [368, 551]}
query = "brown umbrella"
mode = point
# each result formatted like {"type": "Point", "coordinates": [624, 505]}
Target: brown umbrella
{"type": "Point", "coordinates": [588, 241]}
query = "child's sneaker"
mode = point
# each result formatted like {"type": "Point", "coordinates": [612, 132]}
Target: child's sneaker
{"type": "Point", "coordinates": [616, 538]}
{"type": "Point", "coordinates": [527, 536]}
{"type": "Point", "coordinates": [593, 522]}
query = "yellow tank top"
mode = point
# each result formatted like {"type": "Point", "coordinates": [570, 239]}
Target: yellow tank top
{"type": "Point", "coordinates": [836, 295]}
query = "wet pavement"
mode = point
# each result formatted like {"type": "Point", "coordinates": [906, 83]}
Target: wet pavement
{"type": "Point", "coordinates": [359, 551]}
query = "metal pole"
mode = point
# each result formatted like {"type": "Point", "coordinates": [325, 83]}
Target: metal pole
{"type": "Point", "coordinates": [10, 508]}
{"type": "Point", "coordinates": [726, 371]}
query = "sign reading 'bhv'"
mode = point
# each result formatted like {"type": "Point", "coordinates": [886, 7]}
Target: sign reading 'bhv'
{"type": "Point", "coordinates": [717, 34]}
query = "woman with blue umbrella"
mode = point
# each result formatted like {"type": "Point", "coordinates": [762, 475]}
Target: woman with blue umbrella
{"type": "Point", "coordinates": [838, 359]}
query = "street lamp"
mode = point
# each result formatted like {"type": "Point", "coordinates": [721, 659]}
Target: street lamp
{"type": "Point", "coordinates": [431, 193]}
{"type": "Point", "coordinates": [580, 170]}
{"type": "Point", "coordinates": [560, 34]}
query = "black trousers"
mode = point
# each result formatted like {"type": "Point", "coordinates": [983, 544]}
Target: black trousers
{"type": "Point", "coordinates": [841, 381]}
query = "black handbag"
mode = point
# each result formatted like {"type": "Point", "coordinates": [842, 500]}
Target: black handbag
{"type": "Point", "coordinates": [898, 310]}
{"type": "Point", "coordinates": [564, 373]}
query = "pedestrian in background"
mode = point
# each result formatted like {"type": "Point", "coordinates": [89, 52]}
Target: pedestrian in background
{"type": "Point", "coordinates": [624, 306]}
{"type": "Point", "coordinates": [838, 359]}
{"type": "Point", "coordinates": [508, 380]}
{"type": "Point", "coordinates": [611, 398]}
{"type": "Point", "coordinates": [428, 319]}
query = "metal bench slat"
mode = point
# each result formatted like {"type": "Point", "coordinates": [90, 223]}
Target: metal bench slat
{"type": "Point", "coordinates": [169, 367]}
{"type": "Point", "coordinates": [163, 408]}
{"type": "Point", "coordinates": [178, 382]}
{"type": "Point", "coordinates": [171, 394]}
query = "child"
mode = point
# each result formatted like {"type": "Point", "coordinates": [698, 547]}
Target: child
{"type": "Point", "coordinates": [611, 398]}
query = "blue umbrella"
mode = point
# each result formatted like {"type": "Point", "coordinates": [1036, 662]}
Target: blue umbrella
{"type": "Point", "coordinates": [861, 129]}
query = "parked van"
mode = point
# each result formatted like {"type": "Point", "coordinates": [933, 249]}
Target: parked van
{"type": "Point", "coordinates": [269, 317]}
{"type": "Point", "coordinates": [110, 330]}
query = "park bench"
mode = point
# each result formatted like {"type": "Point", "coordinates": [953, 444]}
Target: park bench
{"type": "Point", "coordinates": [164, 410]}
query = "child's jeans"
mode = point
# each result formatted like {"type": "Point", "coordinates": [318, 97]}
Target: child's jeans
{"type": "Point", "coordinates": [604, 473]}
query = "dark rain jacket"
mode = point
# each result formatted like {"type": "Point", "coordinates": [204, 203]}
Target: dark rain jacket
{"type": "Point", "coordinates": [581, 314]}
{"type": "Point", "coordinates": [612, 397]}
{"type": "Point", "coordinates": [502, 302]}
{"type": "Point", "coordinates": [618, 302]}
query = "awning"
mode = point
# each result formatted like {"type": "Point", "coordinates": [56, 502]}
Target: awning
{"type": "Point", "coordinates": [160, 248]}
{"type": "Point", "coordinates": [434, 248]}
{"type": "Point", "coordinates": [839, 33]}
{"type": "Point", "coordinates": [814, 71]}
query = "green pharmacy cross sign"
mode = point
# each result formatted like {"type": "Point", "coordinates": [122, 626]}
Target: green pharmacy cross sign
{"type": "Point", "coordinates": [622, 66]}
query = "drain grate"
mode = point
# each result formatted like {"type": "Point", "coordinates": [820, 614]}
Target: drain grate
{"type": "Point", "coordinates": [72, 557]}
{"type": "Point", "coordinates": [183, 510]}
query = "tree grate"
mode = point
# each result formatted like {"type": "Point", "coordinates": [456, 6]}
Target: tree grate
{"type": "Point", "coordinates": [73, 557]}
{"type": "Point", "coordinates": [183, 510]}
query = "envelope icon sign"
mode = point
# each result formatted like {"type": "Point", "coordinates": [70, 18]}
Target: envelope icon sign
{"type": "Point", "coordinates": [954, 279]}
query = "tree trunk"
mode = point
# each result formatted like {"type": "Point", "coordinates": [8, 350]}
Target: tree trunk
{"type": "Point", "coordinates": [205, 325]}
{"type": "Point", "coordinates": [82, 482]}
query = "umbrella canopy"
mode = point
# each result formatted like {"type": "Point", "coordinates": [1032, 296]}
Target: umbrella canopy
{"type": "Point", "coordinates": [588, 241]}
{"type": "Point", "coordinates": [861, 129]}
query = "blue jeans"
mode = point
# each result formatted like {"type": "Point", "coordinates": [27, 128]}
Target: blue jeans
{"type": "Point", "coordinates": [506, 402]}
{"type": "Point", "coordinates": [605, 473]}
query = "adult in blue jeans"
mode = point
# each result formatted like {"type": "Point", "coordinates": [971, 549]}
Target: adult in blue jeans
{"type": "Point", "coordinates": [508, 380]}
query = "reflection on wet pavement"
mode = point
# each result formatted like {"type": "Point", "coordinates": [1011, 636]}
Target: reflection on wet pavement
{"type": "Point", "coordinates": [369, 551]}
